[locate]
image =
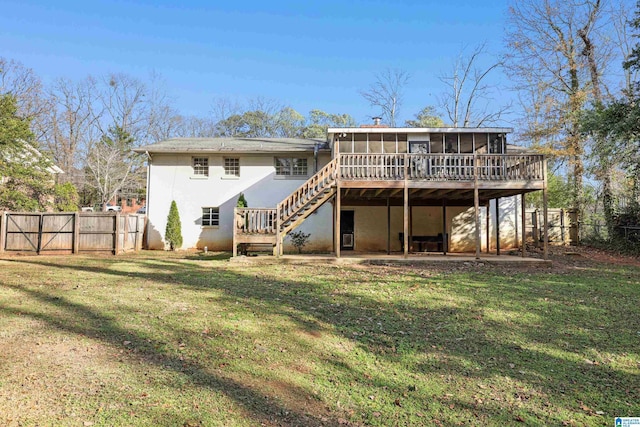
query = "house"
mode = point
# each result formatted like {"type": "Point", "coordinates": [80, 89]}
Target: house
{"type": "Point", "coordinates": [24, 174]}
{"type": "Point", "coordinates": [366, 189]}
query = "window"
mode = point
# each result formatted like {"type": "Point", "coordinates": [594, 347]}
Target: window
{"type": "Point", "coordinates": [200, 166]}
{"type": "Point", "coordinates": [231, 166]}
{"type": "Point", "coordinates": [210, 217]}
{"type": "Point", "coordinates": [290, 166]}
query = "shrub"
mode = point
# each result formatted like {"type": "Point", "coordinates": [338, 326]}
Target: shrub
{"type": "Point", "coordinates": [173, 233]}
{"type": "Point", "coordinates": [299, 239]}
{"type": "Point", "coordinates": [242, 202]}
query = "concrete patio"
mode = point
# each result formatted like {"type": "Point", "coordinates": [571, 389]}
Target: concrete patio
{"type": "Point", "coordinates": [378, 258]}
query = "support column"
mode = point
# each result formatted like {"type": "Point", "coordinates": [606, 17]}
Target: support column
{"type": "Point", "coordinates": [545, 250]}
{"type": "Point", "coordinates": [497, 226]}
{"type": "Point", "coordinates": [476, 202]}
{"type": "Point", "coordinates": [476, 205]}
{"type": "Point", "coordinates": [406, 216]}
{"type": "Point", "coordinates": [524, 223]}
{"type": "Point", "coordinates": [406, 222]}
{"type": "Point", "coordinates": [487, 221]}
{"type": "Point", "coordinates": [445, 239]}
{"type": "Point", "coordinates": [388, 226]}
{"type": "Point", "coordinates": [545, 213]}
{"type": "Point", "coordinates": [337, 221]}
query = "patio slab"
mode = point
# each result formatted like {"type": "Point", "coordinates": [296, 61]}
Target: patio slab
{"type": "Point", "coordinates": [372, 258]}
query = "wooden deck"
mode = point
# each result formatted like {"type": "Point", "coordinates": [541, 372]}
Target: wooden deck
{"type": "Point", "coordinates": [395, 179]}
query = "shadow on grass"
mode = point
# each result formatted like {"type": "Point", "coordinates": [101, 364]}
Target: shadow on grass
{"type": "Point", "coordinates": [209, 256]}
{"type": "Point", "coordinates": [441, 337]}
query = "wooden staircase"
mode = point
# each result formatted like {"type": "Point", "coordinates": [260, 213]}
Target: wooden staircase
{"type": "Point", "coordinates": [293, 210]}
{"type": "Point", "coordinates": [269, 226]}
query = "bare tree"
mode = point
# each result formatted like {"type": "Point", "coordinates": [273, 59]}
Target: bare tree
{"type": "Point", "coordinates": [71, 124]}
{"type": "Point", "coordinates": [124, 100]}
{"type": "Point", "coordinates": [386, 93]}
{"type": "Point", "coordinates": [469, 99]}
{"type": "Point", "coordinates": [162, 118]}
{"type": "Point", "coordinates": [110, 164]}
{"type": "Point", "coordinates": [26, 87]}
{"type": "Point", "coordinates": [546, 52]}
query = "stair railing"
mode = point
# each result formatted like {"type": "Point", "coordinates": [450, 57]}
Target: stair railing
{"type": "Point", "coordinates": [307, 191]}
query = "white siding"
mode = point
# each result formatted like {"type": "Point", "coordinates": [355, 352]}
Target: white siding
{"type": "Point", "coordinates": [171, 178]}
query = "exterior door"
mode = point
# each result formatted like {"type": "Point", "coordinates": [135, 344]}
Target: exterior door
{"type": "Point", "coordinates": [347, 228]}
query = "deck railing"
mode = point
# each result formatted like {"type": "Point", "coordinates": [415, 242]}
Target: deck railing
{"type": "Point", "coordinates": [255, 221]}
{"type": "Point", "coordinates": [441, 167]}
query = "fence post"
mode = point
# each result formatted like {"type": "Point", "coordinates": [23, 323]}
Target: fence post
{"type": "Point", "coordinates": [562, 225]}
{"type": "Point", "coordinates": [116, 249]}
{"type": "Point", "coordinates": [535, 233]}
{"type": "Point", "coordinates": [41, 220]}
{"type": "Point", "coordinates": [76, 232]}
{"type": "Point", "coordinates": [3, 230]}
{"type": "Point", "coordinates": [125, 237]}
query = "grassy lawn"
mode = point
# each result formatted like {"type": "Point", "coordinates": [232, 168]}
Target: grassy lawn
{"type": "Point", "coordinates": [183, 340]}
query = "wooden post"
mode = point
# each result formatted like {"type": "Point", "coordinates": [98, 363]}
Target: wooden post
{"type": "Point", "coordinates": [388, 226]}
{"type": "Point", "coordinates": [476, 203]}
{"type": "Point", "coordinates": [338, 225]}
{"type": "Point", "coordinates": [125, 236]}
{"type": "Point", "coordinates": [405, 226]}
{"type": "Point", "coordinates": [3, 230]}
{"type": "Point", "coordinates": [76, 232]}
{"type": "Point", "coordinates": [497, 226]}
{"type": "Point", "coordinates": [234, 248]}
{"type": "Point", "coordinates": [545, 247]}
{"type": "Point", "coordinates": [117, 247]}
{"type": "Point", "coordinates": [487, 221]}
{"type": "Point", "coordinates": [535, 228]}
{"type": "Point", "coordinates": [40, 223]}
{"type": "Point", "coordinates": [562, 226]}
{"type": "Point", "coordinates": [278, 232]}
{"type": "Point", "coordinates": [445, 240]}
{"type": "Point", "coordinates": [524, 223]}
{"type": "Point", "coordinates": [516, 240]}
{"type": "Point", "coordinates": [406, 222]}
{"type": "Point", "coordinates": [337, 204]}
{"type": "Point", "coordinates": [410, 217]}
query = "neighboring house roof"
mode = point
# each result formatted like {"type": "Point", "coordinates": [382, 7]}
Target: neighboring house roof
{"type": "Point", "coordinates": [24, 152]}
{"type": "Point", "coordinates": [235, 145]}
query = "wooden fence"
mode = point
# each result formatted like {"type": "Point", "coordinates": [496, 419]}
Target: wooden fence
{"type": "Point", "coordinates": [563, 227]}
{"type": "Point", "coordinates": [70, 232]}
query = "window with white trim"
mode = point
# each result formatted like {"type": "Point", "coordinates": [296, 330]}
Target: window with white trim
{"type": "Point", "coordinates": [290, 166]}
{"type": "Point", "coordinates": [210, 217]}
{"type": "Point", "coordinates": [231, 166]}
{"type": "Point", "coordinates": [200, 166]}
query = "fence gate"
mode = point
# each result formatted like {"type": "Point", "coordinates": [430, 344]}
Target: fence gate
{"type": "Point", "coordinates": [70, 232]}
{"type": "Point", "coordinates": [38, 232]}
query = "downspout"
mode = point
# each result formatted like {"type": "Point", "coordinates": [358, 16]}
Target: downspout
{"type": "Point", "coordinates": [148, 223]}
{"type": "Point", "coordinates": [315, 158]}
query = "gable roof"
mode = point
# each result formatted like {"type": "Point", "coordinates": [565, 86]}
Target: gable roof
{"type": "Point", "coordinates": [234, 145]}
{"type": "Point", "coordinates": [23, 152]}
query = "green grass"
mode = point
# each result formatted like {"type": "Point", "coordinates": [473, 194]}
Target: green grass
{"type": "Point", "coordinates": [168, 339]}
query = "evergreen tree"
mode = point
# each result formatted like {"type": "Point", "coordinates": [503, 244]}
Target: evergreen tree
{"type": "Point", "coordinates": [242, 202]}
{"type": "Point", "coordinates": [26, 181]}
{"type": "Point", "coordinates": [173, 233]}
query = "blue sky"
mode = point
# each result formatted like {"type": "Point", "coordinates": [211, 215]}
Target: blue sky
{"type": "Point", "coordinates": [303, 54]}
